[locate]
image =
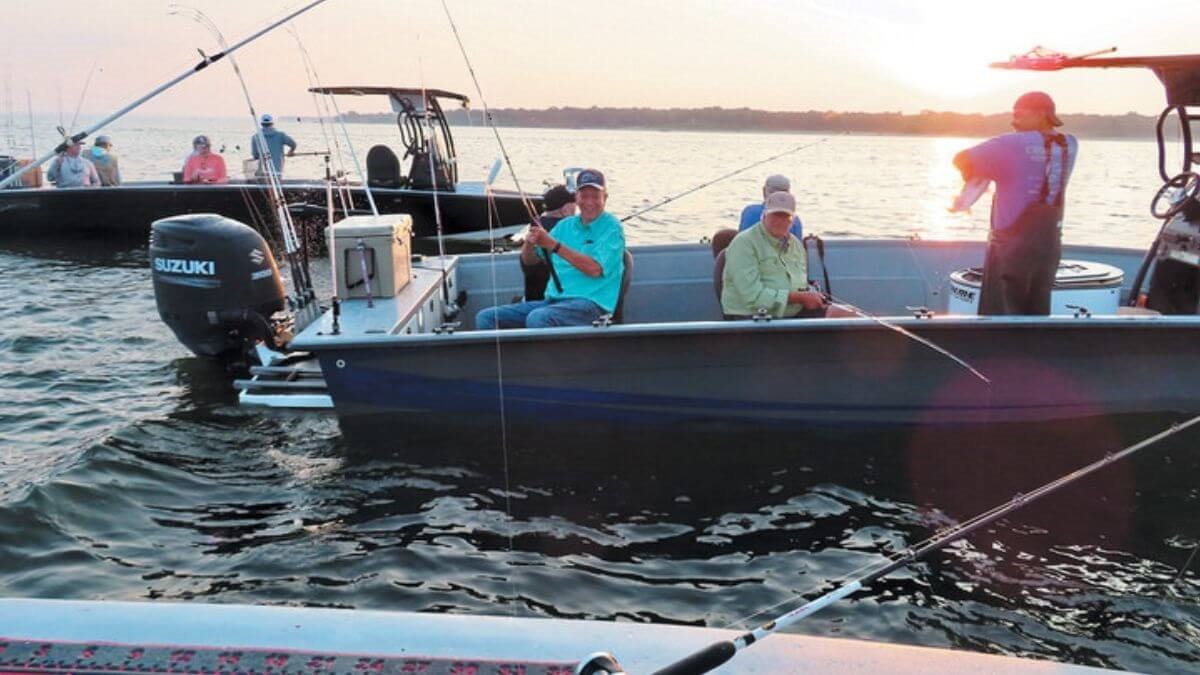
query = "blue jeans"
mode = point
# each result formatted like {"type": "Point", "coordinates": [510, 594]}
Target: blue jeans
{"type": "Point", "coordinates": [540, 314]}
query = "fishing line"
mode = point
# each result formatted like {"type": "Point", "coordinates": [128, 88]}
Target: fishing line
{"type": "Point", "coordinates": [487, 116]}
{"type": "Point", "coordinates": [718, 179]}
{"type": "Point", "coordinates": [714, 655]}
{"type": "Point", "coordinates": [911, 335]}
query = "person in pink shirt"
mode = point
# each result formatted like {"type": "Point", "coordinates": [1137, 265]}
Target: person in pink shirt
{"type": "Point", "coordinates": [204, 165]}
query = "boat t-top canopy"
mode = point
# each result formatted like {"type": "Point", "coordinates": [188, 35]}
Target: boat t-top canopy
{"type": "Point", "coordinates": [402, 98]}
{"type": "Point", "coordinates": [1179, 73]}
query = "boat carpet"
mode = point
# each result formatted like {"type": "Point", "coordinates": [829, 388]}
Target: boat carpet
{"type": "Point", "coordinates": [82, 658]}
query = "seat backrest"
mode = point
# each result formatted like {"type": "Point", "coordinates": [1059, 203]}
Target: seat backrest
{"type": "Point", "coordinates": [626, 277]}
{"type": "Point", "coordinates": [721, 239]}
{"type": "Point", "coordinates": [383, 167]}
{"type": "Point", "coordinates": [719, 274]}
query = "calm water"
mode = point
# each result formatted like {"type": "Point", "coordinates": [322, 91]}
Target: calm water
{"type": "Point", "coordinates": [128, 472]}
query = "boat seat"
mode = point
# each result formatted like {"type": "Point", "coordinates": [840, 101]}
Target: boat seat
{"type": "Point", "coordinates": [719, 272]}
{"type": "Point", "coordinates": [383, 168]}
{"type": "Point", "coordinates": [618, 315]}
{"type": "Point", "coordinates": [721, 239]}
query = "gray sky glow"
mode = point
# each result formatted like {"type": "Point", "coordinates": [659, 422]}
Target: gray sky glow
{"type": "Point", "coordinates": [872, 55]}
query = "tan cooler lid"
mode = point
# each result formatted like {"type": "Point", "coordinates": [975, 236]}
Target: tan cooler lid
{"type": "Point", "coordinates": [383, 225]}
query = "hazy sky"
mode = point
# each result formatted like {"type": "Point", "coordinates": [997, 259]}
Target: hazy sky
{"type": "Point", "coordinates": [871, 55]}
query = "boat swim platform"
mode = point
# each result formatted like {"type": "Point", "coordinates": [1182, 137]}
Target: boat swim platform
{"type": "Point", "coordinates": [57, 636]}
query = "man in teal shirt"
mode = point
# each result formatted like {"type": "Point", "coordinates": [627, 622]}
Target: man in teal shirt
{"type": "Point", "coordinates": [766, 268]}
{"type": "Point", "coordinates": [587, 252]}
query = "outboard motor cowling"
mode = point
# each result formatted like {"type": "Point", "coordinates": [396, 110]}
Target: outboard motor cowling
{"type": "Point", "coordinates": [216, 283]}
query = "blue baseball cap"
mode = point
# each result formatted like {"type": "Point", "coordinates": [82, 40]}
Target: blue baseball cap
{"type": "Point", "coordinates": [590, 178]}
{"type": "Point", "coordinates": [267, 120]}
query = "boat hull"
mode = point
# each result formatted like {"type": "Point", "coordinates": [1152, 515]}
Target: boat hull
{"type": "Point", "coordinates": [725, 378]}
{"type": "Point", "coordinates": [128, 210]}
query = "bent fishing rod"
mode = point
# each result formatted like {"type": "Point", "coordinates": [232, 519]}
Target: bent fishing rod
{"type": "Point", "coordinates": [718, 653]}
{"type": "Point", "coordinates": [718, 179]}
{"type": "Point", "coordinates": [487, 116]}
{"type": "Point", "coordinates": [827, 292]}
{"type": "Point", "coordinates": [205, 62]}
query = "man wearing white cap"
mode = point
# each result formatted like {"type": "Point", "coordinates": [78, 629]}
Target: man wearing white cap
{"type": "Point", "coordinates": [71, 169]}
{"type": "Point", "coordinates": [766, 268]}
{"type": "Point", "coordinates": [753, 212]}
{"type": "Point", "coordinates": [272, 141]}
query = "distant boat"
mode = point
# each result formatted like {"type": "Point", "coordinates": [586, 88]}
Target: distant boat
{"type": "Point", "coordinates": [397, 186]}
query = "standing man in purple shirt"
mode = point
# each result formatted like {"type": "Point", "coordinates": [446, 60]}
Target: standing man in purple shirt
{"type": "Point", "coordinates": [1031, 168]}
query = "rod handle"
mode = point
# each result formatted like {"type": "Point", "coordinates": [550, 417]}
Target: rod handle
{"type": "Point", "coordinates": [702, 661]}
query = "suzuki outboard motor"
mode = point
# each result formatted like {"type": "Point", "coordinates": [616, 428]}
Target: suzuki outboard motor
{"type": "Point", "coordinates": [216, 283]}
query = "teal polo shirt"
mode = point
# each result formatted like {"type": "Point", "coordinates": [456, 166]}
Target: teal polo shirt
{"type": "Point", "coordinates": [604, 241]}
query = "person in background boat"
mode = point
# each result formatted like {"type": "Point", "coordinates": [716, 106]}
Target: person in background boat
{"type": "Point", "coordinates": [1030, 167]}
{"type": "Point", "coordinates": [766, 268]}
{"type": "Point", "coordinates": [275, 140]}
{"type": "Point", "coordinates": [105, 161]}
{"type": "Point", "coordinates": [557, 203]}
{"type": "Point", "coordinates": [204, 165]}
{"type": "Point", "coordinates": [753, 212]}
{"type": "Point", "coordinates": [71, 169]}
{"type": "Point", "coordinates": [588, 255]}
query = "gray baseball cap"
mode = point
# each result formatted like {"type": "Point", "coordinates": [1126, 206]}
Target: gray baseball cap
{"type": "Point", "coordinates": [777, 183]}
{"type": "Point", "coordinates": [780, 202]}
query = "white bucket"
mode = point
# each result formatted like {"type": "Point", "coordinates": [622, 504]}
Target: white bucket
{"type": "Point", "coordinates": [1093, 285]}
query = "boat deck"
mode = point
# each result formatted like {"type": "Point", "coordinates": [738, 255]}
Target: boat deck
{"type": "Point", "coordinates": [71, 635]}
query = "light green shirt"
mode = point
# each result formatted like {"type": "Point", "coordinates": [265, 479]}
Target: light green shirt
{"type": "Point", "coordinates": [760, 271]}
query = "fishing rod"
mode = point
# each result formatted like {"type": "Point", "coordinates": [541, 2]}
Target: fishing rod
{"type": "Point", "coordinates": [487, 116]}
{"type": "Point", "coordinates": [32, 135]}
{"type": "Point", "coordinates": [205, 62]}
{"type": "Point", "coordinates": [718, 653]}
{"type": "Point", "coordinates": [323, 113]}
{"type": "Point", "coordinates": [908, 334]}
{"type": "Point", "coordinates": [718, 179]}
{"type": "Point", "coordinates": [300, 273]}
{"type": "Point", "coordinates": [83, 94]}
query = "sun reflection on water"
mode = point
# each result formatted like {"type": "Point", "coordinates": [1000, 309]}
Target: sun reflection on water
{"type": "Point", "coordinates": [942, 184]}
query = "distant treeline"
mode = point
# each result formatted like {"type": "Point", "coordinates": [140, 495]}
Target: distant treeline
{"type": "Point", "coordinates": [925, 123]}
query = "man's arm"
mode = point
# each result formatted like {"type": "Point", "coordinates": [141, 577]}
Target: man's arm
{"type": "Point", "coordinates": [962, 162]}
{"type": "Point", "coordinates": [529, 254]}
{"type": "Point", "coordinates": [578, 259]}
{"type": "Point", "coordinates": [288, 141]}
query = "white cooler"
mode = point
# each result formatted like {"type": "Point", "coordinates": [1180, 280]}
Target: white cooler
{"type": "Point", "coordinates": [386, 254]}
{"type": "Point", "coordinates": [1093, 285]}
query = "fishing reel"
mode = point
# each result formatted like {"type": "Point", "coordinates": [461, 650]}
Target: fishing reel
{"type": "Point", "coordinates": [1177, 193]}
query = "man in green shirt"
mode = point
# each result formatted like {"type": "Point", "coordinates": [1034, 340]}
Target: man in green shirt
{"type": "Point", "coordinates": [766, 268]}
